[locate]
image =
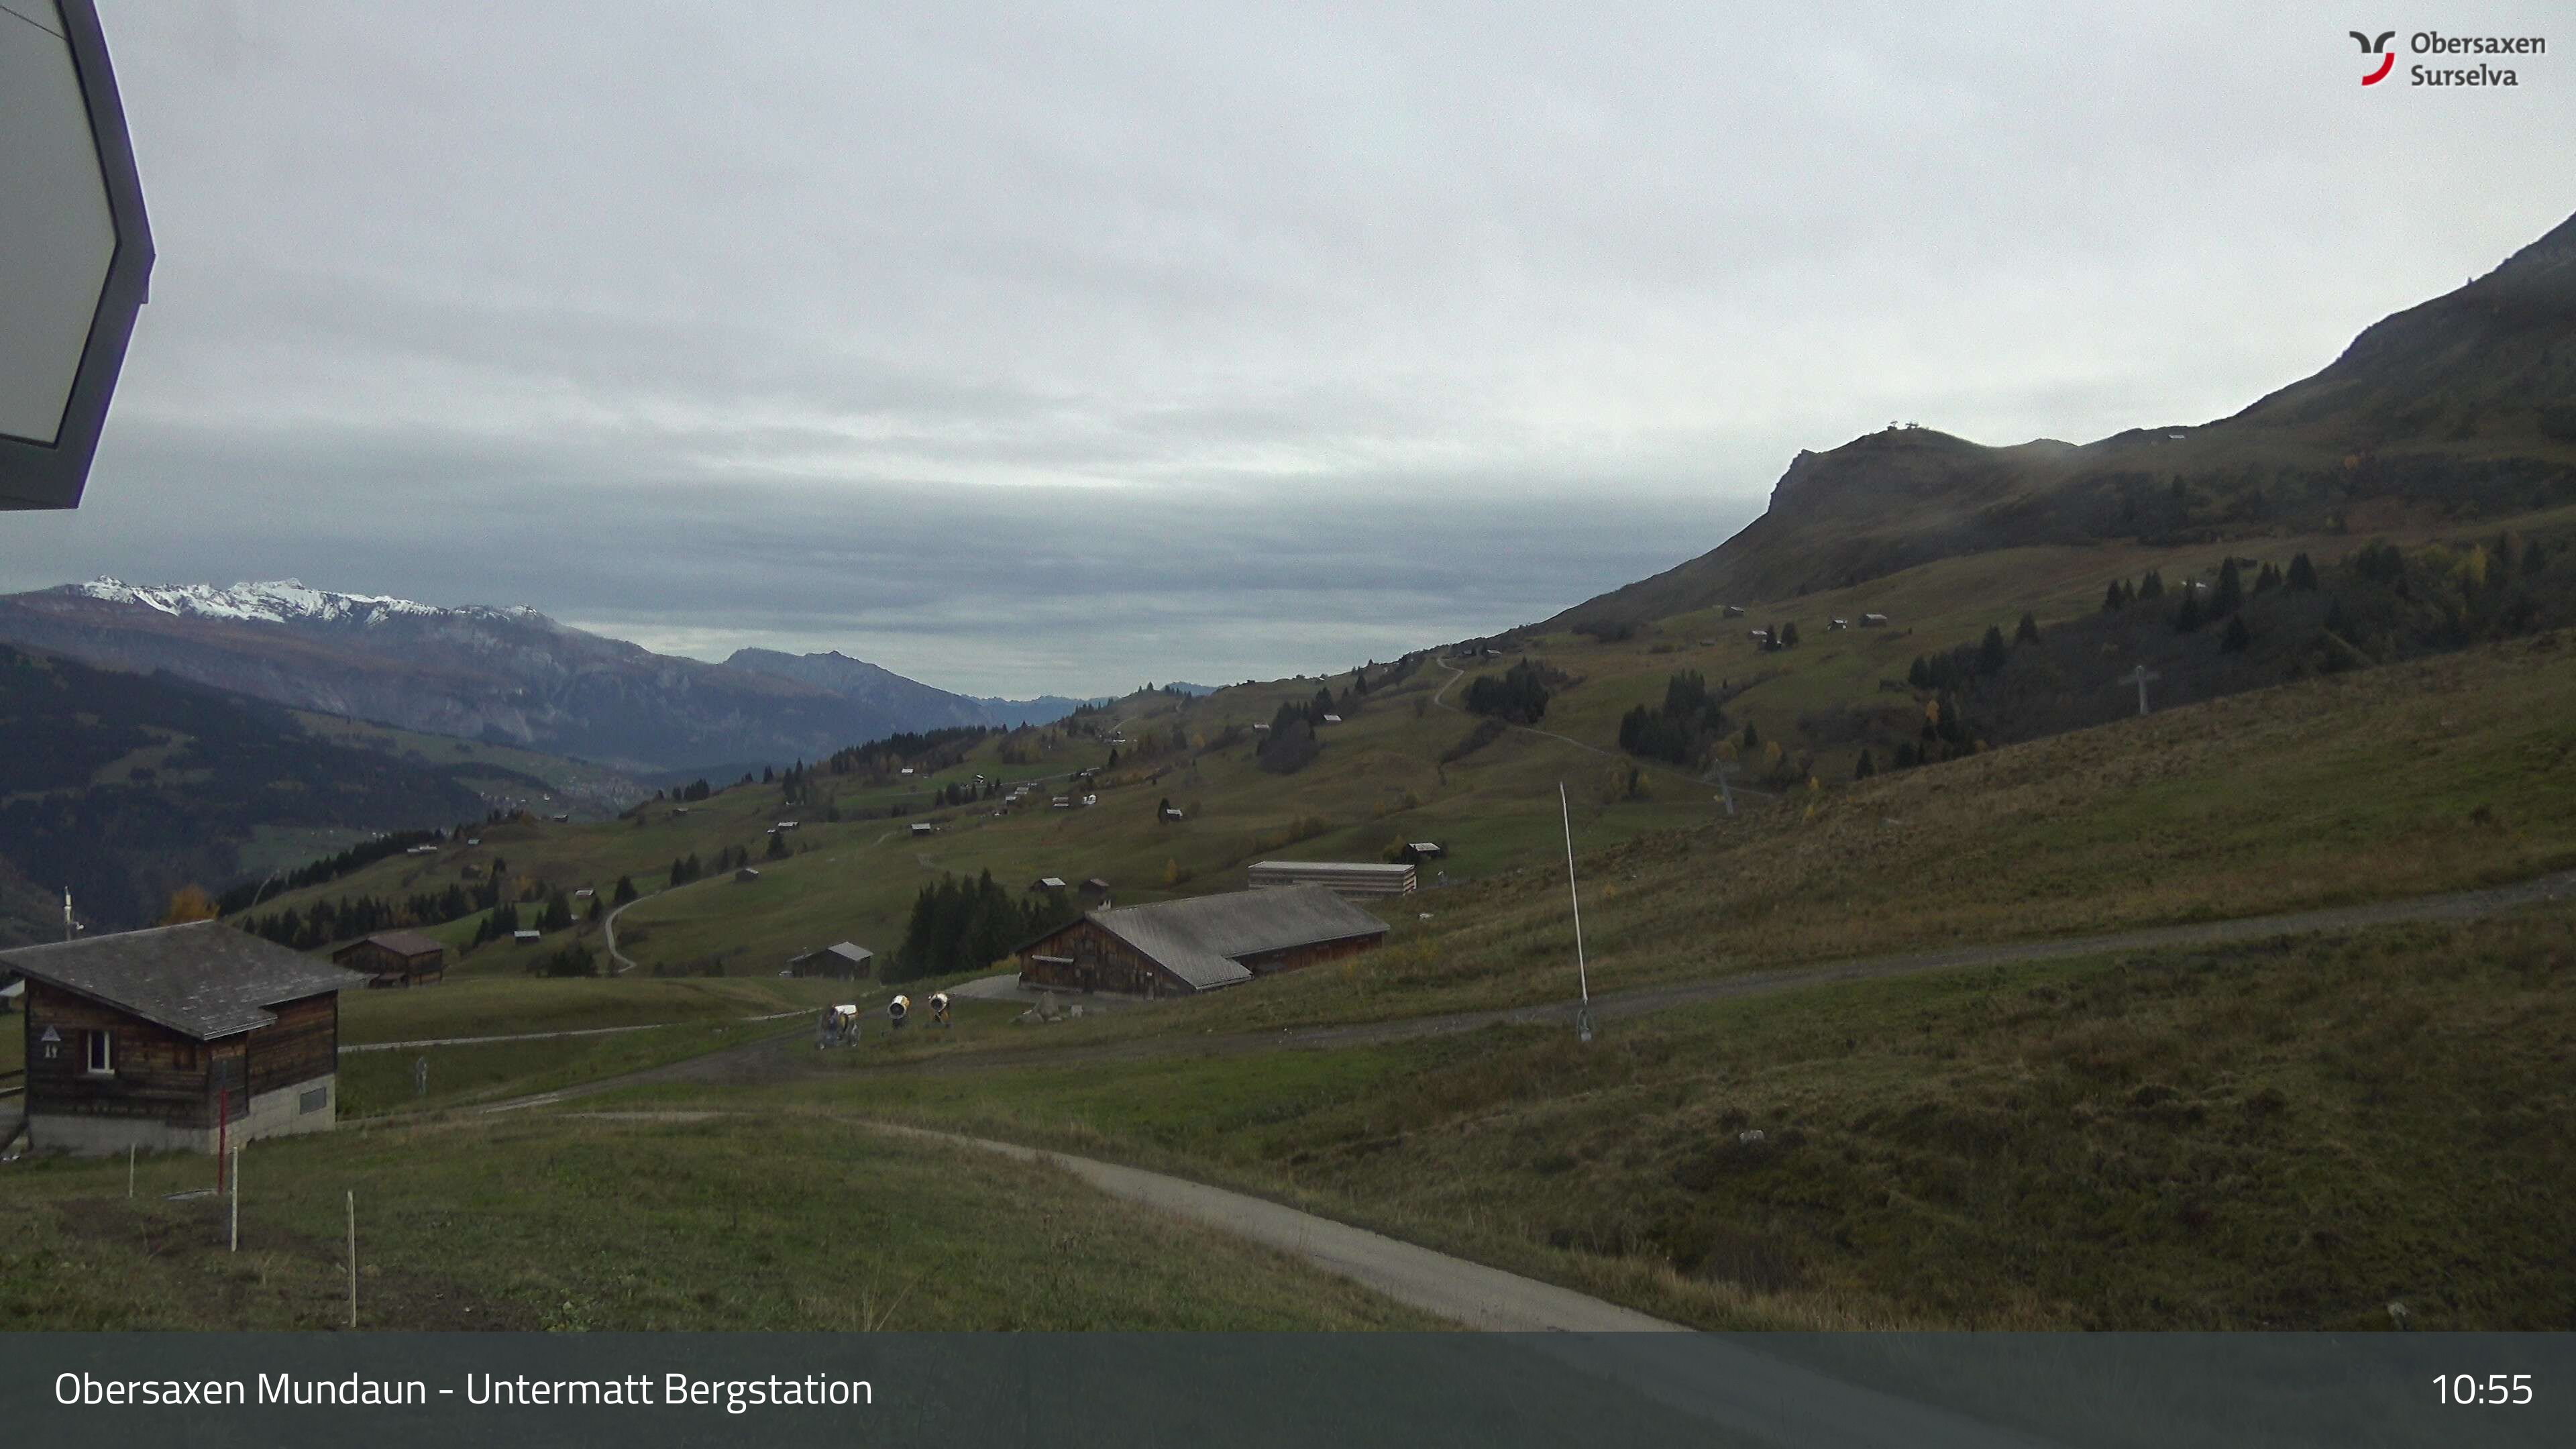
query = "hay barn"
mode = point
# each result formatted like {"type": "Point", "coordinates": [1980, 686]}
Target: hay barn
{"type": "Point", "coordinates": [1206, 943]}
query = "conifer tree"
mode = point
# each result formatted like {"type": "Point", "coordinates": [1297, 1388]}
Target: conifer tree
{"type": "Point", "coordinates": [2152, 586]}
{"type": "Point", "coordinates": [2238, 637]}
{"type": "Point", "coordinates": [2302, 576]}
{"type": "Point", "coordinates": [2231, 591]}
{"type": "Point", "coordinates": [2112, 602]}
{"type": "Point", "coordinates": [1991, 654]}
{"type": "Point", "coordinates": [2187, 618]}
{"type": "Point", "coordinates": [1865, 768]}
{"type": "Point", "coordinates": [2027, 632]}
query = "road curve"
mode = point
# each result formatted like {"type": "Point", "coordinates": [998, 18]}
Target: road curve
{"type": "Point", "coordinates": [1455, 1289]}
{"type": "Point", "coordinates": [1702, 1375]}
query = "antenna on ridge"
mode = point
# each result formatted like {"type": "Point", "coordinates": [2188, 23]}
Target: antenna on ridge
{"type": "Point", "coordinates": [1582, 974]}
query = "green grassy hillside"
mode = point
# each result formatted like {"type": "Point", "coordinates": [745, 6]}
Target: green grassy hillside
{"type": "Point", "coordinates": [570, 1224]}
{"type": "Point", "coordinates": [2326, 789]}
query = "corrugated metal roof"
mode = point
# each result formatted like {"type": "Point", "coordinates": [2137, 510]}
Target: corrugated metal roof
{"type": "Point", "coordinates": [203, 979]}
{"type": "Point", "coordinates": [1197, 939]}
{"type": "Point", "coordinates": [1323, 869]}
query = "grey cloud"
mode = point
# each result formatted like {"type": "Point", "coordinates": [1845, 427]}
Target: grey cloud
{"type": "Point", "coordinates": [1048, 347]}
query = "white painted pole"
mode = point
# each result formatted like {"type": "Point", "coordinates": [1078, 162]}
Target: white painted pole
{"type": "Point", "coordinates": [353, 1257]}
{"type": "Point", "coordinates": [1582, 975]}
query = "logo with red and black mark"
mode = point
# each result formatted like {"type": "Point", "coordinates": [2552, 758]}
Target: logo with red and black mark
{"type": "Point", "coordinates": [2379, 53]}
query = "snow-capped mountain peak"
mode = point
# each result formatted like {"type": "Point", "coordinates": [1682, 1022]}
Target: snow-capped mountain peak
{"type": "Point", "coordinates": [275, 601]}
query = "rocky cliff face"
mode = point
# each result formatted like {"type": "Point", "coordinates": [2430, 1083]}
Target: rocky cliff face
{"type": "Point", "coordinates": [510, 675]}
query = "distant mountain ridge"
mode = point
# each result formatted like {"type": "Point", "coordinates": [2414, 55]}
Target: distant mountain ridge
{"type": "Point", "coordinates": [857, 679]}
{"type": "Point", "coordinates": [2461, 406]}
{"type": "Point", "coordinates": [509, 675]}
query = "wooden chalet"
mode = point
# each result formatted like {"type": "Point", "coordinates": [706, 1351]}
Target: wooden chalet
{"type": "Point", "coordinates": [177, 1039]}
{"type": "Point", "coordinates": [842, 960]}
{"type": "Point", "coordinates": [395, 958]}
{"type": "Point", "coordinates": [1179, 948]}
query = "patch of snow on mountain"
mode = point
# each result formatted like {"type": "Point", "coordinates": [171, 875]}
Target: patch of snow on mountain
{"type": "Point", "coordinates": [276, 601]}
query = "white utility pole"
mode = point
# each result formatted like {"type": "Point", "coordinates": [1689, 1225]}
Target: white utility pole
{"type": "Point", "coordinates": [1582, 974]}
{"type": "Point", "coordinates": [2139, 677]}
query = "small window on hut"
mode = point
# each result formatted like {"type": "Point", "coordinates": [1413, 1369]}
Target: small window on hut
{"type": "Point", "coordinates": [314, 1100]}
{"type": "Point", "coordinates": [100, 1049]}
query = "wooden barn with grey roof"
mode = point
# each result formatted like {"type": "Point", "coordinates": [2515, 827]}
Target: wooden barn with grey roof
{"type": "Point", "coordinates": [396, 958]}
{"type": "Point", "coordinates": [176, 1039]}
{"type": "Point", "coordinates": [1206, 943]}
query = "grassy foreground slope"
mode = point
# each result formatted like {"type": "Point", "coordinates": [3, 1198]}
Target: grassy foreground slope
{"type": "Point", "coordinates": [573, 1224]}
{"type": "Point", "coordinates": [2291, 1134]}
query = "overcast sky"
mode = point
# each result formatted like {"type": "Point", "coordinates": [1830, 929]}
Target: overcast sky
{"type": "Point", "coordinates": [1059, 349]}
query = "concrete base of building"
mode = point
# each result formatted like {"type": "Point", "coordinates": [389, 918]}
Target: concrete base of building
{"type": "Point", "coordinates": [312, 1106]}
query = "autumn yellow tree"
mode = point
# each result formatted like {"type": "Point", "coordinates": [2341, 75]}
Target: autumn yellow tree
{"type": "Point", "coordinates": [189, 903]}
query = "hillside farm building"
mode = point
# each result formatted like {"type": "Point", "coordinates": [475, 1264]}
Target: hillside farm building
{"type": "Point", "coordinates": [395, 958]}
{"type": "Point", "coordinates": [1873, 621]}
{"type": "Point", "coordinates": [842, 960]}
{"type": "Point", "coordinates": [1179, 948]}
{"type": "Point", "coordinates": [1348, 877]}
{"type": "Point", "coordinates": [176, 1039]}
